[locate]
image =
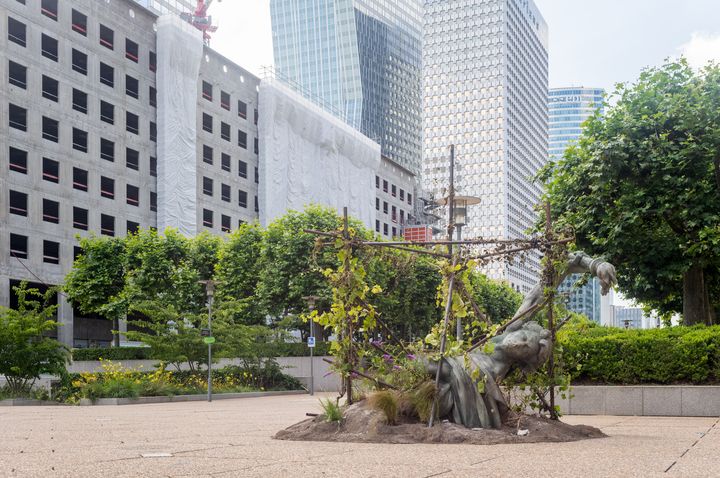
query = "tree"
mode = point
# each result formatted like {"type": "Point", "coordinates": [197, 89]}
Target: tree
{"type": "Point", "coordinates": [642, 187]}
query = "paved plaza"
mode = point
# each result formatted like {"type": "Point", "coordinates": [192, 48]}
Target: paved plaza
{"type": "Point", "coordinates": [230, 438]}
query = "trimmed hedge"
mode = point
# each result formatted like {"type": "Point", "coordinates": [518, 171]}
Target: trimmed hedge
{"type": "Point", "coordinates": [657, 356]}
{"type": "Point", "coordinates": [112, 353]}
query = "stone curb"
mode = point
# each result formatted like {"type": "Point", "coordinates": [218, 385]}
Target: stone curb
{"type": "Point", "coordinates": [28, 402]}
{"type": "Point", "coordinates": [185, 398]}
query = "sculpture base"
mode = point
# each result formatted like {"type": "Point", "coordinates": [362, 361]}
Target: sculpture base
{"type": "Point", "coordinates": [362, 424]}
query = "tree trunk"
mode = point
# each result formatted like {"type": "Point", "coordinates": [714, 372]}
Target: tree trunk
{"type": "Point", "coordinates": [710, 318]}
{"type": "Point", "coordinates": [695, 303]}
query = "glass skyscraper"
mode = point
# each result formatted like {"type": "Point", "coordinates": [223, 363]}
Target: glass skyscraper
{"type": "Point", "coordinates": [362, 60]}
{"type": "Point", "coordinates": [485, 86]}
{"type": "Point", "coordinates": [569, 108]}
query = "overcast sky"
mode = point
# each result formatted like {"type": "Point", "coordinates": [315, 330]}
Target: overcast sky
{"type": "Point", "coordinates": [592, 43]}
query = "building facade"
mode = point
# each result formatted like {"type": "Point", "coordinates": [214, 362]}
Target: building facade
{"type": "Point", "coordinates": [361, 60]}
{"type": "Point", "coordinates": [485, 86]}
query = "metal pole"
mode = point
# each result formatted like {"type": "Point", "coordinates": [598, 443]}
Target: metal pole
{"type": "Point", "coordinates": [210, 303]}
{"type": "Point", "coordinates": [312, 372]}
{"type": "Point", "coordinates": [458, 324]}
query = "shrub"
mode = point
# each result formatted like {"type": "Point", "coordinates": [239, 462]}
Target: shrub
{"type": "Point", "coordinates": [331, 410]}
{"type": "Point", "coordinates": [385, 401]}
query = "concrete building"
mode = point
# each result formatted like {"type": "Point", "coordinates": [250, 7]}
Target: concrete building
{"type": "Point", "coordinates": [485, 86]}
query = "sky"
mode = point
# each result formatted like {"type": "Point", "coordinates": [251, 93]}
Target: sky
{"type": "Point", "coordinates": [592, 43]}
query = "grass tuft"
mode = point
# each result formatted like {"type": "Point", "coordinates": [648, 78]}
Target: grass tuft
{"type": "Point", "coordinates": [386, 402]}
{"type": "Point", "coordinates": [422, 399]}
{"type": "Point", "coordinates": [332, 411]}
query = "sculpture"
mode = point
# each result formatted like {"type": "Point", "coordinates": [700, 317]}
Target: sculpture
{"type": "Point", "coordinates": [523, 344]}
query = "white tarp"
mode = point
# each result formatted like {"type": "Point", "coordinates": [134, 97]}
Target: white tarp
{"type": "Point", "coordinates": [179, 52]}
{"type": "Point", "coordinates": [308, 156]}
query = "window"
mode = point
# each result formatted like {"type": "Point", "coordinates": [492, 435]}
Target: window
{"type": "Point", "coordinates": [207, 218]}
{"type": "Point", "coordinates": [207, 154]}
{"type": "Point", "coordinates": [377, 204]}
{"type": "Point", "coordinates": [225, 100]}
{"type": "Point", "coordinates": [152, 97]}
{"type": "Point", "coordinates": [409, 199]}
{"type": "Point", "coordinates": [107, 149]}
{"type": "Point", "coordinates": [257, 205]}
{"type": "Point", "coordinates": [133, 227]}
{"type": "Point", "coordinates": [385, 207]}
{"type": "Point", "coordinates": [17, 117]}
{"type": "Point", "coordinates": [17, 74]}
{"type": "Point", "coordinates": [394, 214]}
{"type": "Point", "coordinates": [225, 162]}
{"type": "Point", "coordinates": [385, 229]}
{"type": "Point", "coordinates": [107, 187]}
{"type": "Point", "coordinates": [255, 116]}
{"type": "Point", "coordinates": [402, 216]}
{"type": "Point", "coordinates": [80, 218]}
{"type": "Point", "coordinates": [242, 169]}
{"type": "Point", "coordinates": [241, 222]}
{"type": "Point", "coordinates": [394, 232]}
{"type": "Point", "coordinates": [132, 159]}
{"type": "Point", "coordinates": [377, 182]}
{"type": "Point", "coordinates": [402, 194]}
{"type": "Point", "coordinates": [16, 31]}
{"type": "Point", "coordinates": [77, 251]}
{"type": "Point", "coordinates": [256, 146]}
{"type": "Point", "coordinates": [107, 37]}
{"type": "Point", "coordinates": [50, 129]}
{"type": "Point", "coordinates": [51, 170]}
{"type": "Point", "coordinates": [132, 194]}
{"type": "Point", "coordinates": [377, 225]}
{"type": "Point", "coordinates": [385, 186]}
{"type": "Point", "coordinates": [207, 186]}
{"type": "Point", "coordinates": [257, 175]}
{"type": "Point", "coordinates": [18, 203]}
{"type": "Point", "coordinates": [152, 61]}
{"type": "Point", "coordinates": [242, 198]}
{"type": "Point", "coordinates": [18, 160]}
{"type": "Point", "coordinates": [49, 8]}
{"type": "Point", "coordinates": [107, 112]}
{"type": "Point", "coordinates": [51, 211]}
{"type": "Point", "coordinates": [19, 246]}
{"type": "Point", "coordinates": [49, 47]}
{"type": "Point", "coordinates": [242, 109]}
{"type": "Point", "coordinates": [242, 139]}
{"type": "Point", "coordinates": [225, 192]}
{"type": "Point", "coordinates": [80, 179]}
{"type": "Point", "coordinates": [225, 131]}
{"type": "Point", "coordinates": [132, 51]}
{"type": "Point", "coordinates": [132, 87]}
{"type": "Point", "coordinates": [79, 22]}
{"type": "Point", "coordinates": [153, 201]}
{"type": "Point", "coordinates": [153, 167]}
{"type": "Point", "coordinates": [207, 90]}
{"type": "Point", "coordinates": [80, 101]}
{"type": "Point", "coordinates": [153, 131]}
{"type": "Point", "coordinates": [207, 123]}
{"type": "Point", "coordinates": [107, 75]}
{"type": "Point", "coordinates": [80, 140]}
{"type": "Point", "coordinates": [393, 191]}
{"type": "Point", "coordinates": [79, 61]}
{"type": "Point", "coordinates": [107, 225]}
{"type": "Point", "coordinates": [225, 223]}
{"type": "Point", "coordinates": [132, 123]}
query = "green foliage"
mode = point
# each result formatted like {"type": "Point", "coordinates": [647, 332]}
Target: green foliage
{"type": "Point", "coordinates": [331, 410]}
{"type": "Point", "coordinates": [385, 401]}
{"type": "Point", "coordinates": [422, 399]}
{"type": "Point", "coordinates": [497, 299]}
{"type": "Point", "coordinates": [25, 351]}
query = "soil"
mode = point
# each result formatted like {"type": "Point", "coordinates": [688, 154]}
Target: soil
{"type": "Point", "coordinates": [362, 424]}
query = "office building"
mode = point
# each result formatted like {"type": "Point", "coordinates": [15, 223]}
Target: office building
{"type": "Point", "coordinates": [485, 86]}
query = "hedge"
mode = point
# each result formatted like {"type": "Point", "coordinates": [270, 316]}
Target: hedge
{"type": "Point", "coordinates": [656, 356]}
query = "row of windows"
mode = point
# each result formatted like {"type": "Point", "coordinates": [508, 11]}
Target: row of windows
{"type": "Point", "coordinates": [386, 229]}
{"type": "Point", "coordinates": [225, 220]}
{"type": "Point", "coordinates": [225, 162]}
{"type": "Point", "coordinates": [393, 211]}
{"type": "Point", "coordinates": [225, 193]}
{"type": "Point", "coordinates": [392, 190]}
{"type": "Point", "coordinates": [242, 139]}
{"type": "Point", "coordinates": [225, 101]}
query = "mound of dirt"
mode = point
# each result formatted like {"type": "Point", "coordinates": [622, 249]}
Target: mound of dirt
{"type": "Point", "coordinates": [362, 424]}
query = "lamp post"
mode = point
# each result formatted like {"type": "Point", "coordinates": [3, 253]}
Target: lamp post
{"type": "Point", "coordinates": [209, 339]}
{"type": "Point", "coordinates": [311, 299]}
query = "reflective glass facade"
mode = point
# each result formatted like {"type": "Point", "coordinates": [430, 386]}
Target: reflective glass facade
{"type": "Point", "coordinates": [485, 91]}
{"type": "Point", "coordinates": [169, 6]}
{"type": "Point", "coordinates": [362, 60]}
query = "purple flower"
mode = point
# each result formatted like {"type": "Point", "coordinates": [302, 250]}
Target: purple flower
{"type": "Point", "coordinates": [354, 375]}
{"type": "Point", "coordinates": [376, 342]}
{"type": "Point", "coordinates": [410, 356]}
{"type": "Point", "coordinates": [396, 367]}
{"type": "Point", "coordinates": [388, 358]}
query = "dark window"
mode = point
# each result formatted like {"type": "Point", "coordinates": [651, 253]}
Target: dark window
{"type": "Point", "coordinates": [107, 75]}
{"type": "Point", "coordinates": [393, 190]}
{"type": "Point", "coordinates": [256, 146]}
{"type": "Point", "coordinates": [207, 186]}
{"type": "Point", "coordinates": [242, 139]}
{"type": "Point", "coordinates": [80, 179]}
{"type": "Point", "coordinates": [377, 204]}
{"type": "Point", "coordinates": [49, 8]}
{"type": "Point", "coordinates": [241, 222]}
{"type": "Point", "coordinates": [80, 101]}
{"type": "Point", "coordinates": [133, 227]}
{"type": "Point", "coordinates": [49, 47]}
{"type": "Point", "coordinates": [107, 187]}
{"type": "Point", "coordinates": [207, 123]}
{"type": "Point", "coordinates": [225, 161]}
{"type": "Point", "coordinates": [153, 131]}
{"type": "Point", "coordinates": [402, 194]}
{"type": "Point", "coordinates": [225, 223]}
{"type": "Point", "coordinates": [153, 167]}
{"type": "Point", "coordinates": [152, 61]}
{"type": "Point", "coordinates": [17, 117]}
{"type": "Point", "coordinates": [207, 90]}
{"type": "Point", "coordinates": [393, 215]}
{"type": "Point", "coordinates": [152, 96]}
{"type": "Point", "coordinates": [225, 131]}
{"type": "Point", "coordinates": [80, 140]}
{"type": "Point", "coordinates": [377, 225]}
{"type": "Point", "coordinates": [18, 203]}
{"type": "Point", "coordinates": [385, 207]}
{"type": "Point", "coordinates": [17, 74]}
{"type": "Point", "coordinates": [50, 129]}
{"type": "Point", "coordinates": [132, 86]}
{"type": "Point", "coordinates": [107, 225]}
{"type": "Point", "coordinates": [409, 199]}
{"type": "Point", "coordinates": [242, 198]}
{"type": "Point", "coordinates": [51, 211]}
{"type": "Point", "coordinates": [207, 218]}
{"type": "Point", "coordinates": [132, 195]}
{"type": "Point", "coordinates": [255, 116]}
{"type": "Point", "coordinates": [79, 22]}
{"type": "Point", "coordinates": [79, 61]}
{"type": "Point", "coordinates": [107, 149]}
{"type": "Point", "coordinates": [107, 112]}
{"type": "Point", "coordinates": [242, 169]}
{"type": "Point", "coordinates": [132, 51]}
{"type": "Point", "coordinates": [18, 160]}
{"type": "Point", "coordinates": [385, 186]}
{"type": "Point", "coordinates": [132, 123]}
{"type": "Point", "coordinates": [132, 159]}
{"type": "Point", "coordinates": [19, 246]}
{"type": "Point", "coordinates": [225, 192]}
{"type": "Point", "coordinates": [51, 170]}
{"type": "Point", "coordinates": [257, 175]}
{"type": "Point", "coordinates": [394, 232]}
{"type": "Point", "coordinates": [242, 109]}
{"type": "Point", "coordinates": [153, 201]}
{"type": "Point", "coordinates": [77, 251]}
{"type": "Point", "coordinates": [257, 204]}
{"type": "Point", "coordinates": [80, 218]}
{"type": "Point", "coordinates": [225, 100]}
{"type": "Point", "coordinates": [207, 154]}
{"type": "Point", "coordinates": [377, 182]}
{"type": "Point", "coordinates": [385, 229]}
{"type": "Point", "coordinates": [402, 216]}
{"type": "Point", "coordinates": [16, 31]}
{"type": "Point", "coordinates": [51, 252]}
{"type": "Point", "coordinates": [107, 37]}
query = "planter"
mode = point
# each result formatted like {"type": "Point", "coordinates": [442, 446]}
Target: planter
{"type": "Point", "coordinates": [185, 398]}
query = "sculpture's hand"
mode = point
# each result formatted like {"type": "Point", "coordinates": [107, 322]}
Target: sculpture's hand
{"type": "Point", "coordinates": [606, 275]}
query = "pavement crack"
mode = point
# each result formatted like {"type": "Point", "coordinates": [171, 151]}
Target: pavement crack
{"type": "Point", "coordinates": [437, 474]}
{"type": "Point", "coordinates": [694, 443]}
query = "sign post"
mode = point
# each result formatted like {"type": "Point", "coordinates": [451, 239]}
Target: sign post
{"type": "Point", "coordinates": [311, 341]}
{"type": "Point", "coordinates": [207, 333]}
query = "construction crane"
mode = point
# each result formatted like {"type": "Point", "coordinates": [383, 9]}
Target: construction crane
{"type": "Point", "coordinates": [201, 20]}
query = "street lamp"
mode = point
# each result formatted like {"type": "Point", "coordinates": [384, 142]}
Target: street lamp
{"type": "Point", "coordinates": [311, 299]}
{"type": "Point", "coordinates": [209, 339]}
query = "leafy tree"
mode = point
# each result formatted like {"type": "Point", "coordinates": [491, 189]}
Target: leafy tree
{"type": "Point", "coordinates": [497, 299]}
{"type": "Point", "coordinates": [642, 187]}
{"type": "Point", "coordinates": [25, 352]}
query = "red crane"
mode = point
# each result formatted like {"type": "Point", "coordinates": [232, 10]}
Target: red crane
{"type": "Point", "coordinates": [201, 20]}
